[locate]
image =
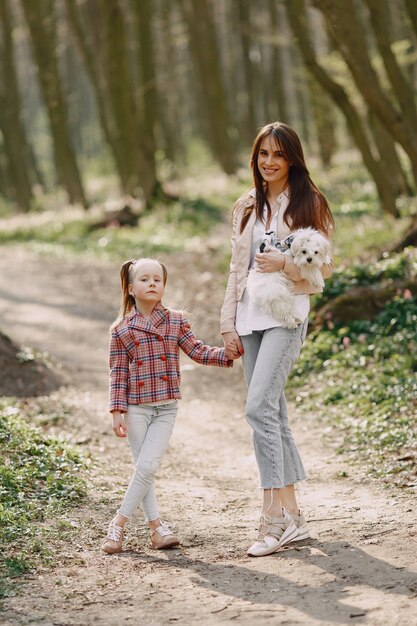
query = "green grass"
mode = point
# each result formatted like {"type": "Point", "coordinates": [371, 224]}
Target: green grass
{"type": "Point", "coordinates": [40, 476]}
{"type": "Point", "coordinates": [362, 375]}
{"type": "Point", "coordinates": [166, 229]}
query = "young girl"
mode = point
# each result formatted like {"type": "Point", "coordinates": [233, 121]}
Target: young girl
{"type": "Point", "coordinates": [145, 387]}
{"type": "Point", "coordinates": [283, 200]}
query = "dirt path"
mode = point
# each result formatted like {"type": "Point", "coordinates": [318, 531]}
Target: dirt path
{"type": "Point", "coordinates": [360, 566]}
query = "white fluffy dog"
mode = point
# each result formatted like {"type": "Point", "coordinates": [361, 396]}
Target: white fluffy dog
{"type": "Point", "coordinates": [273, 292]}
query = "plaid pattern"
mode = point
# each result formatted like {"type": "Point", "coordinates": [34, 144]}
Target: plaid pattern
{"type": "Point", "coordinates": [144, 357]}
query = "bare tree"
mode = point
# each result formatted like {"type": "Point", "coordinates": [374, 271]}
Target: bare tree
{"type": "Point", "coordinates": [40, 17]}
{"type": "Point", "coordinates": [14, 136]}
{"type": "Point", "coordinates": [297, 15]}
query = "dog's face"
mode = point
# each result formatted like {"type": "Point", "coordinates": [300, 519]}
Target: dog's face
{"type": "Point", "coordinates": [310, 249]}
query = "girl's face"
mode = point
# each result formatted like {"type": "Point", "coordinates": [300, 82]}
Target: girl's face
{"type": "Point", "coordinates": [147, 285]}
{"type": "Point", "coordinates": [272, 163]}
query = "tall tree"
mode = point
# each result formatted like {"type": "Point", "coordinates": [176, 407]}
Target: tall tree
{"type": "Point", "coordinates": [205, 54]}
{"type": "Point", "coordinates": [297, 15]}
{"type": "Point", "coordinates": [41, 19]}
{"type": "Point", "coordinates": [244, 26]}
{"type": "Point", "coordinates": [14, 136]}
{"type": "Point", "coordinates": [348, 35]}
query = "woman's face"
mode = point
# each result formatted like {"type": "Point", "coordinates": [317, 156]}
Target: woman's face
{"type": "Point", "coordinates": [272, 163]}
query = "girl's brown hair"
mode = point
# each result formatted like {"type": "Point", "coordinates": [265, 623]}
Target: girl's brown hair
{"type": "Point", "coordinates": [307, 205]}
{"type": "Point", "coordinates": [127, 274]}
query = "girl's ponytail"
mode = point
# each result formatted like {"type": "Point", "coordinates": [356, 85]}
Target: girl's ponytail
{"type": "Point", "coordinates": [127, 301]}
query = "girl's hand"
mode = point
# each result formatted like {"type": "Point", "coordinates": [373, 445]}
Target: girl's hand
{"type": "Point", "coordinates": [119, 425]}
{"type": "Point", "coordinates": [233, 345]}
{"type": "Point", "coordinates": [271, 261]}
{"type": "Point", "coordinates": [232, 356]}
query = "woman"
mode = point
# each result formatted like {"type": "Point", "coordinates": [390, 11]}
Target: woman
{"type": "Point", "coordinates": [284, 199]}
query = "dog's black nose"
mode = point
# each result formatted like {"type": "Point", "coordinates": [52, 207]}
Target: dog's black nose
{"type": "Point", "coordinates": [309, 259]}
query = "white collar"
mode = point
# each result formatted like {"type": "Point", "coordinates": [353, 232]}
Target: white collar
{"type": "Point", "coordinates": [285, 193]}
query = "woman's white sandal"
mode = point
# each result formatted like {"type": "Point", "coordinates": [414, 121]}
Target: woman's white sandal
{"type": "Point", "coordinates": [274, 533]}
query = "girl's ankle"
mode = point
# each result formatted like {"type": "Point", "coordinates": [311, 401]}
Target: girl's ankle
{"type": "Point", "coordinates": [120, 520]}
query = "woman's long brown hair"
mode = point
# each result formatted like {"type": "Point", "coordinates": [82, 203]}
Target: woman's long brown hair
{"type": "Point", "coordinates": [307, 205]}
{"type": "Point", "coordinates": [127, 274]}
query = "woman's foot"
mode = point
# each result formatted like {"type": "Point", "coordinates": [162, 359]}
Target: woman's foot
{"type": "Point", "coordinates": [162, 537]}
{"type": "Point", "coordinates": [114, 540]}
{"type": "Point", "coordinates": [300, 522]}
{"type": "Point", "coordinates": [274, 533]}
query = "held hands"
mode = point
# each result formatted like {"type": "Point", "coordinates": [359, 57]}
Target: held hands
{"type": "Point", "coordinates": [233, 345]}
{"type": "Point", "coordinates": [119, 425]}
{"type": "Point", "coordinates": [271, 261]}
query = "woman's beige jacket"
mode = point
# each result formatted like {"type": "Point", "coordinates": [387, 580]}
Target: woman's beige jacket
{"type": "Point", "coordinates": [239, 263]}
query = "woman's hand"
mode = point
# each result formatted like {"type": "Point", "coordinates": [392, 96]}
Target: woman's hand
{"type": "Point", "coordinates": [119, 425]}
{"type": "Point", "coordinates": [271, 261]}
{"type": "Point", "coordinates": [233, 345]}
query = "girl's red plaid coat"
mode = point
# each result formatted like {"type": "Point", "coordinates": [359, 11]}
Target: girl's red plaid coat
{"type": "Point", "coordinates": [144, 357]}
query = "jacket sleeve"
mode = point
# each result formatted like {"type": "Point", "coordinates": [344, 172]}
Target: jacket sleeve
{"type": "Point", "coordinates": [228, 310]}
{"type": "Point", "coordinates": [293, 272]}
{"type": "Point", "coordinates": [197, 351]}
{"type": "Point", "coordinates": [119, 373]}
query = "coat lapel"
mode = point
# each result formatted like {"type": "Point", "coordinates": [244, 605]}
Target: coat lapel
{"type": "Point", "coordinates": [158, 316]}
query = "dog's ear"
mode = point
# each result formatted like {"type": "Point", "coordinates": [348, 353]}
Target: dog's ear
{"type": "Point", "coordinates": [296, 246]}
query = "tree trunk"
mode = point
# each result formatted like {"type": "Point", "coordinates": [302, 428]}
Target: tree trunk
{"type": "Point", "coordinates": [279, 96]}
{"type": "Point", "coordinates": [348, 35]}
{"type": "Point", "coordinates": [90, 61]}
{"type": "Point", "coordinates": [404, 92]}
{"type": "Point", "coordinates": [143, 12]}
{"type": "Point", "coordinates": [389, 159]}
{"type": "Point", "coordinates": [40, 18]}
{"type": "Point", "coordinates": [298, 19]}
{"type": "Point", "coordinates": [244, 25]}
{"type": "Point", "coordinates": [324, 121]}
{"type": "Point", "coordinates": [14, 136]}
{"type": "Point", "coordinates": [205, 54]}
{"type": "Point", "coordinates": [411, 6]}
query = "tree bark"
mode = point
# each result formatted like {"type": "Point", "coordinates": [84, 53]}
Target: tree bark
{"type": "Point", "coordinates": [244, 25]}
{"type": "Point", "coordinates": [404, 92]}
{"type": "Point", "coordinates": [388, 157]}
{"type": "Point", "coordinates": [278, 66]}
{"type": "Point", "coordinates": [147, 96]}
{"type": "Point", "coordinates": [14, 136]}
{"type": "Point", "coordinates": [40, 18]}
{"type": "Point", "coordinates": [348, 35]}
{"type": "Point", "coordinates": [298, 19]}
{"type": "Point", "coordinates": [205, 54]}
{"type": "Point", "coordinates": [411, 6]}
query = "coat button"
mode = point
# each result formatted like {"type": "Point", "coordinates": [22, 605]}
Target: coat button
{"type": "Point", "coordinates": [163, 357]}
{"type": "Point", "coordinates": [137, 343]}
{"type": "Point", "coordinates": [164, 377]}
{"type": "Point", "coordinates": [160, 338]}
{"type": "Point", "coordinates": [140, 362]}
{"type": "Point", "coordinates": [141, 383]}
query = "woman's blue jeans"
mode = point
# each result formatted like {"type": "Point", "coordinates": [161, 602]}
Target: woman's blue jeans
{"type": "Point", "coordinates": [268, 359]}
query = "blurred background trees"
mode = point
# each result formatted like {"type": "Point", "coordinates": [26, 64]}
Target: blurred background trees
{"type": "Point", "coordinates": [127, 87]}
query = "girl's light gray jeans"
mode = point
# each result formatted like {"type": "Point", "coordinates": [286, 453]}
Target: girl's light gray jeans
{"type": "Point", "coordinates": [149, 430]}
{"type": "Point", "coordinates": [267, 362]}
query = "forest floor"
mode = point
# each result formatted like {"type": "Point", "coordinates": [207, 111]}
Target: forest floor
{"type": "Point", "coordinates": [359, 567]}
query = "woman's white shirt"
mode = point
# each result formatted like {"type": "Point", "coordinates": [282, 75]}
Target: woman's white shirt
{"type": "Point", "coordinates": [248, 316]}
